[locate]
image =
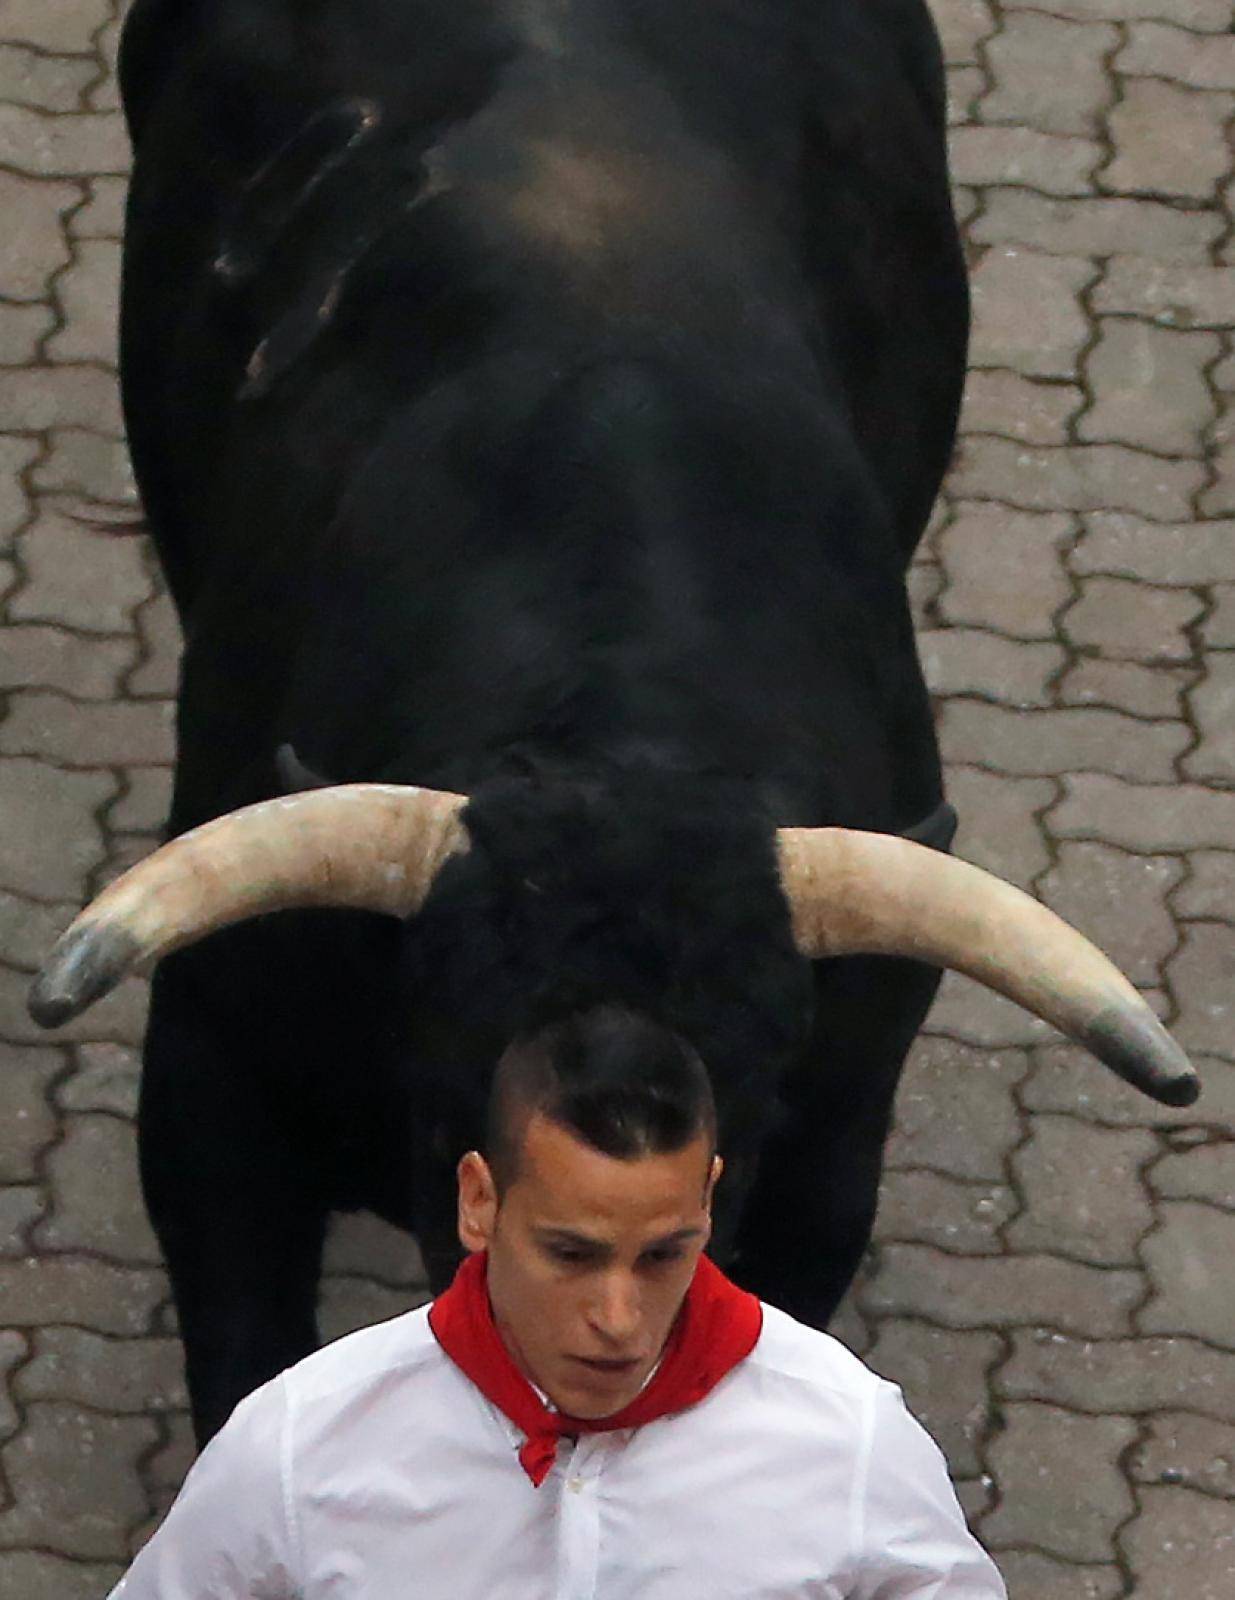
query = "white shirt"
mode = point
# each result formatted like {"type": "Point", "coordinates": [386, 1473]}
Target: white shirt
{"type": "Point", "coordinates": [375, 1470]}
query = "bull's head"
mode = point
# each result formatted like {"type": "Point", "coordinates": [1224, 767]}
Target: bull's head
{"type": "Point", "coordinates": [378, 847]}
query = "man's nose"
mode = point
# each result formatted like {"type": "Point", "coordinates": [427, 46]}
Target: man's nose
{"type": "Point", "coordinates": [615, 1311]}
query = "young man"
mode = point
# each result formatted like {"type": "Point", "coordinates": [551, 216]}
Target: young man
{"type": "Point", "coordinates": [591, 1412]}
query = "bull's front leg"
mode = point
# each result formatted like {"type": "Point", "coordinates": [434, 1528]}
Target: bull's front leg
{"type": "Point", "coordinates": [233, 1206]}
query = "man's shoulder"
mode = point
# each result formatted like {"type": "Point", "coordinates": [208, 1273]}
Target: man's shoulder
{"type": "Point", "coordinates": [804, 1357]}
{"type": "Point", "coordinates": [402, 1348]}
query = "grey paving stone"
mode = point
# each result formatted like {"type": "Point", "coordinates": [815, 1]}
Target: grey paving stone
{"type": "Point", "coordinates": [1136, 1376]}
{"type": "Point", "coordinates": [88, 295]}
{"type": "Point", "coordinates": [49, 841]}
{"type": "Point", "coordinates": [103, 1374]}
{"type": "Point", "coordinates": [1030, 1576]}
{"type": "Point", "coordinates": [73, 734]}
{"type": "Point", "coordinates": [1026, 409]}
{"type": "Point", "coordinates": [27, 1117]}
{"type": "Point", "coordinates": [48, 83]}
{"type": "Point", "coordinates": [964, 85]}
{"type": "Point", "coordinates": [68, 26]}
{"type": "Point", "coordinates": [1218, 628]}
{"type": "Point", "coordinates": [1149, 386]}
{"type": "Point", "coordinates": [1201, 975]}
{"type": "Point", "coordinates": [90, 1294]}
{"type": "Point", "coordinates": [1169, 140]}
{"type": "Point", "coordinates": [16, 455]}
{"type": "Point", "coordinates": [1088, 477]}
{"type": "Point", "coordinates": [1179, 552]}
{"type": "Point", "coordinates": [1210, 889]}
{"type": "Point", "coordinates": [1182, 1546]}
{"type": "Point", "coordinates": [926, 1208]}
{"type": "Point", "coordinates": [1082, 1189]}
{"type": "Point", "coordinates": [1001, 1291]}
{"type": "Point", "coordinates": [28, 929]}
{"type": "Point", "coordinates": [1181, 297]}
{"type": "Point", "coordinates": [106, 1077]}
{"type": "Point", "coordinates": [78, 578]}
{"type": "Point", "coordinates": [972, 661]}
{"type": "Point", "coordinates": [73, 1475]}
{"type": "Point", "coordinates": [145, 804]}
{"type": "Point", "coordinates": [999, 827]}
{"type": "Point", "coordinates": [61, 397]}
{"type": "Point", "coordinates": [1049, 73]}
{"type": "Point", "coordinates": [1160, 50]}
{"type": "Point", "coordinates": [159, 673]}
{"type": "Point", "coordinates": [1205, 1173]}
{"type": "Point", "coordinates": [1188, 1261]}
{"type": "Point", "coordinates": [1133, 621]}
{"type": "Point", "coordinates": [347, 1303]}
{"type": "Point", "coordinates": [1219, 498]}
{"type": "Point", "coordinates": [1051, 164]}
{"type": "Point", "coordinates": [102, 217]}
{"type": "Point", "coordinates": [22, 330]}
{"type": "Point", "coordinates": [1067, 1080]}
{"type": "Point", "coordinates": [1025, 311]}
{"type": "Point", "coordinates": [955, 1110]}
{"type": "Point", "coordinates": [1119, 901]}
{"type": "Point", "coordinates": [20, 1208]}
{"type": "Point", "coordinates": [1098, 227]}
{"type": "Point", "coordinates": [32, 243]}
{"type": "Point", "coordinates": [1004, 569]}
{"type": "Point", "coordinates": [943, 1376]}
{"type": "Point", "coordinates": [96, 1202]}
{"type": "Point", "coordinates": [1193, 1451]}
{"type": "Point", "coordinates": [962, 25]}
{"type": "Point", "coordinates": [36, 1575]}
{"type": "Point", "coordinates": [89, 464]}
{"type": "Point", "coordinates": [1213, 706]}
{"type": "Point", "coordinates": [1124, 686]}
{"type": "Point", "coordinates": [14, 1348]}
{"type": "Point", "coordinates": [1030, 743]}
{"type": "Point", "coordinates": [1062, 1486]}
{"type": "Point", "coordinates": [39, 656]}
{"type": "Point", "coordinates": [362, 1245]}
{"type": "Point", "coordinates": [1202, 15]}
{"type": "Point", "coordinates": [42, 146]}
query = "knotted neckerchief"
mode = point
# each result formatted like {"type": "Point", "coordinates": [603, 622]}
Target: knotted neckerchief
{"type": "Point", "coordinates": [716, 1328]}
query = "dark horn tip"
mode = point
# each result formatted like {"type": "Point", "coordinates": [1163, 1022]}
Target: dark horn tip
{"type": "Point", "coordinates": [1178, 1091]}
{"type": "Point", "coordinates": [1137, 1047]}
{"type": "Point", "coordinates": [82, 968]}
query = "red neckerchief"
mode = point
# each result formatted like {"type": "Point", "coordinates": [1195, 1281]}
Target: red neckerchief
{"type": "Point", "coordinates": [716, 1328]}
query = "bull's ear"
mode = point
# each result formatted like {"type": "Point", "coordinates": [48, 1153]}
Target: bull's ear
{"type": "Point", "coordinates": [854, 893]}
{"type": "Point", "coordinates": [294, 776]}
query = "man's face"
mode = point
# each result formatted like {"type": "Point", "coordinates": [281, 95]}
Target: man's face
{"type": "Point", "coordinates": [589, 1259]}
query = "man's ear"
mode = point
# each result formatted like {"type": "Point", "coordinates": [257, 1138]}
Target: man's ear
{"type": "Point", "coordinates": [714, 1172]}
{"type": "Point", "coordinates": [477, 1202]}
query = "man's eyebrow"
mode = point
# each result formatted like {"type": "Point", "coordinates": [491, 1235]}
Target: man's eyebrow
{"type": "Point", "coordinates": [555, 1235]}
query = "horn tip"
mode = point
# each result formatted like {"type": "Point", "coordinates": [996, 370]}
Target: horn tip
{"type": "Point", "coordinates": [1137, 1047]}
{"type": "Point", "coordinates": [86, 964]}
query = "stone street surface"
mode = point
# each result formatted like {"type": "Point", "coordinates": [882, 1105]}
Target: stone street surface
{"type": "Point", "coordinates": [1052, 1281]}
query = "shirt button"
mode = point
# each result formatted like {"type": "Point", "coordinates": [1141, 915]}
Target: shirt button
{"type": "Point", "coordinates": [574, 1484]}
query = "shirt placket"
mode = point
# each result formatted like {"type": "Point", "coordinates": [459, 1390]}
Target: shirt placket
{"type": "Point", "coordinates": [579, 1519]}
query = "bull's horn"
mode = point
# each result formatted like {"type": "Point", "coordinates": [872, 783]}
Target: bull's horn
{"type": "Point", "coordinates": [368, 846]}
{"type": "Point", "coordinates": [854, 893]}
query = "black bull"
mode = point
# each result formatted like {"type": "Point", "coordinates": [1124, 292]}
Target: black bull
{"type": "Point", "coordinates": [541, 401]}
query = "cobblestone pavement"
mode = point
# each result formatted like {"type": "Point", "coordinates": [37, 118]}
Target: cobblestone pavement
{"type": "Point", "coordinates": [1052, 1281]}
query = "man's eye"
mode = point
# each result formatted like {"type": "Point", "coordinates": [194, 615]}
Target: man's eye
{"type": "Point", "coordinates": [570, 1254]}
{"type": "Point", "coordinates": [661, 1258]}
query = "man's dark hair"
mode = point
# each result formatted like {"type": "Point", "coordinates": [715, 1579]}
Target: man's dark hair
{"type": "Point", "coordinates": [616, 1080]}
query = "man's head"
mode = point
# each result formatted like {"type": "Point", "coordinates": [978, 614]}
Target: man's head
{"type": "Point", "coordinates": [594, 1202]}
